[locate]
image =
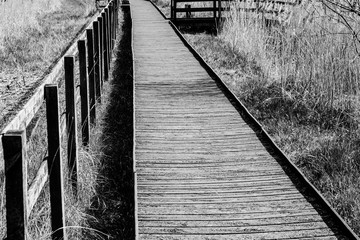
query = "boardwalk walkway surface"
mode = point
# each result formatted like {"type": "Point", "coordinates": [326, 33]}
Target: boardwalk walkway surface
{"type": "Point", "coordinates": [201, 171]}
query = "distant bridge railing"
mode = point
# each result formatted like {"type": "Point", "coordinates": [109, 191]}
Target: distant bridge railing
{"type": "Point", "coordinates": [215, 9]}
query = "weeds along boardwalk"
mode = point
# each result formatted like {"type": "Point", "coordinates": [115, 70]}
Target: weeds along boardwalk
{"type": "Point", "coordinates": [202, 172]}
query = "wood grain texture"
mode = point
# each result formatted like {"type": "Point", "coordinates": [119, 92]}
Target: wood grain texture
{"type": "Point", "coordinates": [201, 171]}
{"type": "Point", "coordinates": [36, 186]}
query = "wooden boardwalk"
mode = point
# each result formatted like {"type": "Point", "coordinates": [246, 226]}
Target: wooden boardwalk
{"type": "Point", "coordinates": [201, 171]}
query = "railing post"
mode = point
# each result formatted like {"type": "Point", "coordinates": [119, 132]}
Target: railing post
{"type": "Point", "coordinates": [214, 7]}
{"type": "Point", "coordinates": [111, 29]}
{"type": "Point", "coordinates": [188, 14]}
{"type": "Point", "coordinates": [92, 89]}
{"type": "Point", "coordinates": [97, 60]}
{"type": "Point", "coordinates": [71, 122]}
{"type": "Point", "coordinates": [219, 10]}
{"type": "Point", "coordinates": [174, 10]}
{"type": "Point", "coordinates": [14, 146]}
{"type": "Point", "coordinates": [108, 10]}
{"type": "Point", "coordinates": [114, 20]}
{"type": "Point", "coordinates": [101, 49]}
{"type": "Point", "coordinates": [116, 8]}
{"type": "Point", "coordinates": [84, 94]}
{"type": "Point", "coordinates": [105, 47]}
{"type": "Point", "coordinates": [108, 30]}
{"type": "Point", "coordinates": [54, 161]}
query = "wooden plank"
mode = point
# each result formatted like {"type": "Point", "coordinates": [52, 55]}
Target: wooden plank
{"type": "Point", "coordinates": [36, 186]}
{"type": "Point", "coordinates": [189, 145]}
{"type": "Point", "coordinates": [54, 161]}
{"type": "Point", "coordinates": [14, 145]}
{"type": "Point", "coordinates": [204, 9]}
{"type": "Point", "coordinates": [71, 121]}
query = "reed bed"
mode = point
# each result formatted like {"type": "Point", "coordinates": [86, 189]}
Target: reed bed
{"type": "Point", "coordinates": [308, 49]}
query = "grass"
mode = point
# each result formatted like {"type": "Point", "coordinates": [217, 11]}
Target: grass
{"type": "Point", "coordinates": [33, 36]}
{"type": "Point", "coordinates": [45, 25]}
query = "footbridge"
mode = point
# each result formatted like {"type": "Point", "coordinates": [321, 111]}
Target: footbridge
{"type": "Point", "coordinates": [204, 167]}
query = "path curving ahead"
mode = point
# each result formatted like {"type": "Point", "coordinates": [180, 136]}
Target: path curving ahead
{"type": "Point", "coordinates": [201, 171]}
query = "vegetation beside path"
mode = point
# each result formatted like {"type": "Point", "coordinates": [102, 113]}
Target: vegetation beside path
{"type": "Point", "coordinates": [33, 35]}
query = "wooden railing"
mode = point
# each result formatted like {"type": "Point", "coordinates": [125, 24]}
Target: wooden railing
{"type": "Point", "coordinates": [213, 12]}
{"type": "Point", "coordinates": [94, 54]}
{"type": "Point", "coordinates": [216, 8]}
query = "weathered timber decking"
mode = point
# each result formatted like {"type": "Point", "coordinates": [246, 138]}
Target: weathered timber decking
{"type": "Point", "coordinates": [201, 171]}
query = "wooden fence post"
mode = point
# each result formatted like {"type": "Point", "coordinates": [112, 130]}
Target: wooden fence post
{"type": "Point", "coordinates": [112, 24]}
{"type": "Point", "coordinates": [115, 17]}
{"type": "Point", "coordinates": [214, 7]}
{"type": "Point", "coordinates": [97, 60]}
{"type": "Point", "coordinates": [92, 88]}
{"type": "Point", "coordinates": [219, 10]}
{"type": "Point", "coordinates": [108, 30]}
{"type": "Point", "coordinates": [107, 39]}
{"type": "Point", "coordinates": [71, 122]}
{"type": "Point", "coordinates": [188, 14]}
{"type": "Point", "coordinates": [101, 49]}
{"type": "Point", "coordinates": [105, 47]}
{"type": "Point", "coordinates": [174, 9]}
{"type": "Point", "coordinates": [55, 163]}
{"type": "Point", "coordinates": [16, 184]}
{"type": "Point", "coordinates": [84, 94]}
{"type": "Point", "coordinates": [111, 37]}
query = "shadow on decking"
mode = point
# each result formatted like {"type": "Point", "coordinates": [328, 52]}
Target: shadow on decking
{"type": "Point", "coordinates": [113, 208]}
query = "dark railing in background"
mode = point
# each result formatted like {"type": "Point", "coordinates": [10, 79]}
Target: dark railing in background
{"type": "Point", "coordinates": [94, 54]}
{"type": "Point", "coordinates": [216, 8]}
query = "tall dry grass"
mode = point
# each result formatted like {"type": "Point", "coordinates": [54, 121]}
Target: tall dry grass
{"type": "Point", "coordinates": [310, 50]}
{"type": "Point", "coordinates": [17, 16]}
{"type": "Point", "coordinates": [32, 33]}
